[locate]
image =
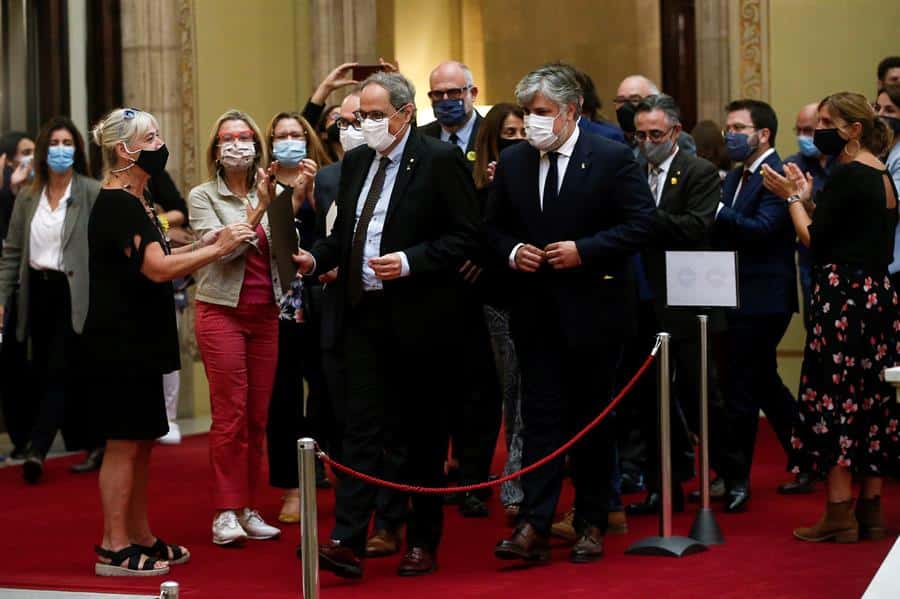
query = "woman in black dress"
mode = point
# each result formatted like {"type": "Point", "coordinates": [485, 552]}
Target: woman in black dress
{"type": "Point", "coordinates": [131, 335]}
{"type": "Point", "coordinates": [848, 416]}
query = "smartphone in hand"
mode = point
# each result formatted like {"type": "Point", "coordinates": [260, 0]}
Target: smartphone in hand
{"type": "Point", "coordinates": [362, 71]}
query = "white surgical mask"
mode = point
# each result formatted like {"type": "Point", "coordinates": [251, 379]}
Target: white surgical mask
{"type": "Point", "coordinates": [352, 138]}
{"type": "Point", "coordinates": [237, 154]}
{"type": "Point", "coordinates": [377, 135]}
{"type": "Point", "coordinates": [539, 131]}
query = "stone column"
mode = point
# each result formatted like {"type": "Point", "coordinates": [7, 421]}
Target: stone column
{"type": "Point", "coordinates": [713, 69]}
{"type": "Point", "coordinates": [342, 31]}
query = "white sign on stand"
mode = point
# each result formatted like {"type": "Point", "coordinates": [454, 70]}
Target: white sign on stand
{"type": "Point", "coordinates": [701, 279]}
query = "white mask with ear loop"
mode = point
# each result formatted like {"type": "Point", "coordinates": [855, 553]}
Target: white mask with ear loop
{"type": "Point", "coordinates": [377, 133]}
{"type": "Point", "coordinates": [539, 131]}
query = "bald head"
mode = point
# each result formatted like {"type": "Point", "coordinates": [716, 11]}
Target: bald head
{"type": "Point", "coordinates": [451, 70]}
{"type": "Point", "coordinates": [806, 120]}
{"type": "Point", "coordinates": [633, 89]}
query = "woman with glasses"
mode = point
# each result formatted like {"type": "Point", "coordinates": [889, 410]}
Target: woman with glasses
{"type": "Point", "coordinates": [45, 263]}
{"type": "Point", "coordinates": [848, 423]}
{"type": "Point", "coordinates": [297, 155]}
{"type": "Point", "coordinates": [237, 321]}
{"type": "Point", "coordinates": [131, 336]}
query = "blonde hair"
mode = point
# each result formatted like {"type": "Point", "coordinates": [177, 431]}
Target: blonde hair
{"type": "Point", "coordinates": [212, 149]}
{"type": "Point", "coordinates": [121, 125]}
{"type": "Point", "coordinates": [876, 136]}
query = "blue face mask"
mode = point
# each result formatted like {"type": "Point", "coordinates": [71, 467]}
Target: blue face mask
{"type": "Point", "coordinates": [738, 146]}
{"type": "Point", "coordinates": [60, 158]}
{"type": "Point", "coordinates": [449, 112]}
{"type": "Point", "coordinates": [290, 151]}
{"type": "Point", "coordinates": [808, 147]}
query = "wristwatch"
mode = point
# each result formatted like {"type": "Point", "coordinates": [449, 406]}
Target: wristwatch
{"type": "Point", "coordinates": [794, 198]}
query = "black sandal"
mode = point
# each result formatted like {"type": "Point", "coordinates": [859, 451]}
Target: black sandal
{"type": "Point", "coordinates": [162, 550]}
{"type": "Point", "coordinates": [129, 563]}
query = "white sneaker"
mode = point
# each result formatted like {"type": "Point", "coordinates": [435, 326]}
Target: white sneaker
{"type": "Point", "coordinates": [256, 527]}
{"type": "Point", "coordinates": [227, 530]}
{"type": "Point", "coordinates": [173, 437]}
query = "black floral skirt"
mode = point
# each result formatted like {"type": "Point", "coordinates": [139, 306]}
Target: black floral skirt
{"type": "Point", "coordinates": [848, 413]}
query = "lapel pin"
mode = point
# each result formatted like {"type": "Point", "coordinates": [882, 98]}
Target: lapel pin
{"type": "Point", "coordinates": [470, 156]}
{"type": "Point", "coordinates": [583, 165]}
{"type": "Point", "coordinates": [674, 181]}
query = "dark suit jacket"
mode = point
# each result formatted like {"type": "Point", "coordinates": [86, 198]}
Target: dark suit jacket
{"type": "Point", "coordinates": [326, 190]}
{"type": "Point", "coordinates": [432, 217]}
{"type": "Point", "coordinates": [433, 129]}
{"type": "Point", "coordinates": [604, 205]}
{"type": "Point", "coordinates": [602, 129]}
{"type": "Point", "coordinates": [757, 225]}
{"type": "Point", "coordinates": [682, 221]}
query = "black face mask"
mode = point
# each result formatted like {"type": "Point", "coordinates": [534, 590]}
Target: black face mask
{"type": "Point", "coordinates": [894, 124]}
{"type": "Point", "coordinates": [625, 115]}
{"type": "Point", "coordinates": [334, 134]}
{"type": "Point", "coordinates": [829, 141]}
{"type": "Point", "coordinates": [507, 143]}
{"type": "Point", "coordinates": [153, 162]}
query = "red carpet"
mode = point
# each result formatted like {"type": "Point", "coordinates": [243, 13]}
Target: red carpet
{"type": "Point", "coordinates": [49, 531]}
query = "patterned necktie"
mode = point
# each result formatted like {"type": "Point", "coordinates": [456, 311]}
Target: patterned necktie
{"type": "Point", "coordinates": [655, 173]}
{"type": "Point", "coordinates": [354, 277]}
{"type": "Point", "coordinates": [551, 185]}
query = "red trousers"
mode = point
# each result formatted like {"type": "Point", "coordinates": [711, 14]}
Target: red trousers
{"type": "Point", "coordinates": [239, 347]}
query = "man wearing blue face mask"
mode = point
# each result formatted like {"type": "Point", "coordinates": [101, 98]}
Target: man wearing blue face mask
{"type": "Point", "coordinates": [753, 222]}
{"type": "Point", "coordinates": [453, 92]}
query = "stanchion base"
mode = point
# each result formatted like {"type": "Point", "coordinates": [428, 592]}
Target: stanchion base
{"type": "Point", "coordinates": [666, 547]}
{"type": "Point", "coordinates": [705, 528]}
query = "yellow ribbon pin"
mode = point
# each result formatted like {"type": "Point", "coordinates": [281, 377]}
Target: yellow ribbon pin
{"type": "Point", "coordinates": [470, 156]}
{"type": "Point", "coordinates": [674, 181]}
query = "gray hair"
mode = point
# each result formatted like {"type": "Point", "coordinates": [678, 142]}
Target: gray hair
{"type": "Point", "coordinates": [556, 81]}
{"type": "Point", "coordinates": [663, 102]}
{"type": "Point", "coordinates": [399, 88]}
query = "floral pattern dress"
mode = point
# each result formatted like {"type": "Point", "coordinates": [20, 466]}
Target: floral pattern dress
{"type": "Point", "coordinates": [848, 413]}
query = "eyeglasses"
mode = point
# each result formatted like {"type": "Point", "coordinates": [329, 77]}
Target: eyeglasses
{"type": "Point", "coordinates": [633, 99]}
{"type": "Point", "coordinates": [236, 136]}
{"type": "Point", "coordinates": [343, 123]}
{"type": "Point", "coordinates": [807, 131]}
{"type": "Point", "coordinates": [454, 93]}
{"type": "Point", "coordinates": [736, 128]}
{"type": "Point", "coordinates": [376, 115]}
{"type": "Point", "coordinates": [653, 134]}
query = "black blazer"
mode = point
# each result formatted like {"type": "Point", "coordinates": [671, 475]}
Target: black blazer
{"type": "Point", "coordinates": [757, 225]}
{"type": "Point", "coordinates": [682, 221]}
{"type": "Point", "coordinates": [604, 206]}
{"type": "Point", "coordinates": [432, 217]}
{"type": "Point", "coordinates": [433, 129]}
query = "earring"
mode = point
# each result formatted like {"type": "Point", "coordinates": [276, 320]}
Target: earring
{"type": "Point", "coordinates": [858, 148]}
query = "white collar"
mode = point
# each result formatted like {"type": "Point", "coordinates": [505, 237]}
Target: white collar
{"type": "Point", "coordinates": [756, 163]}
{"type": "Point", "coordinates": [45, 200]}
{"type": "Point", "coordinates": [569, 146]}
{"type": "Point", "coordinates": [465, 132]}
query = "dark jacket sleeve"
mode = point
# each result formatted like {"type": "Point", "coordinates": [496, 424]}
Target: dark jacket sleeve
{"type": "Point", "coordinates": [691, 225]}
{"type": "Point", "coordinates": [456, 193]}
{"type": "Point", "coordinates": [312, 112]}
{"type": "Point", "coordinates": [632, 201]}
{"type": "Point", "coordinates": [327, 250]}
{"type": "Point", "coordinates": [770, 216]}
{"type": "Point", "coordinates": [497, 217]}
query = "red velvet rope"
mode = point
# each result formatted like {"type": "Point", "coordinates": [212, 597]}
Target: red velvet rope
{"type": "Point", "coordinates": [446, 490]}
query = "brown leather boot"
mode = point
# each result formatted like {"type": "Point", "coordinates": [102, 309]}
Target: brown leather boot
{"type": "Point", "coordinates": [870, 518]}
{"type": "Point", "coordinates": [837, 523]}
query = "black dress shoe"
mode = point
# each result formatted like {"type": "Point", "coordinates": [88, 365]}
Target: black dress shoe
{"type": "Point", "coordinates": [416, 562]}
{"type": "Point", "coordinates": [473, 507]}
{"type": "Point", "coordinates": [33, 467]}
{"type": "Point", "coordinates": [716, 491]}
{"type": "Point", "coordinates": [339, 559]}
{"type": "Point", "coordinates": [652, 502]}
{"type": "Point", "coordinates": [526, 543]}
{"type": "Point", "coordinates": [737, 499]}
{"type": "Point", "coordinates": [92, 461]}
{"type": "Point", "coordinates": [588, 548]}
{"type": "Point", "coordinates": [802, 483]}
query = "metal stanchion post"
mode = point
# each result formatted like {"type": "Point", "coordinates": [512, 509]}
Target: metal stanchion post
{"type": "Point", "coordinates": [705, 528]}
{"type": "Point", "coordinates": [665, 544]}
{"type": "Point", "coordinates": [168, 590]}
{"type": "Point", "coordinates": [309, 536]}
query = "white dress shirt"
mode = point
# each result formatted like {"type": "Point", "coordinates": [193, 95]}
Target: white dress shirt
{"type": "Point", "coordinates": [562, 163]}
{"type": "Point", "coordinates": [753, 168]}
{"type": "Point", "coordinates": [464, 134]}
{"type": "Point", "coordinates": [45, 244]}
{"type": "Point", "coordinates": [372, 248]}
{"type": "Point", "coordinates": [663, 169]}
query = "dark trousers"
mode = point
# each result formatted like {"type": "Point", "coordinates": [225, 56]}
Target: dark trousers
{"type": "Point", "coordinates": [563, 388]}
{"type": "Point", "coordinates": [395, 402]}
{"type": "Point", "coordinates": [16, 384]}
{"type": "Point", "coordinates": [751, 384]}
{"type": "Point", "coordinates": [55, 364]}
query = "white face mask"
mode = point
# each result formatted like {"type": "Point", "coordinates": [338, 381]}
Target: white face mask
{"type": "Point", "coordinates": [352, 138]}
{"type": "Point", "coordinates": [237, 154]}
{"type": "Point", "coordinates": [539, 131]}
{"type": "Point", "coordinates": [377, 135]}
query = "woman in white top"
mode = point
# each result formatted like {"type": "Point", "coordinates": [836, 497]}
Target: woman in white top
{"type": "Point", "coordinates": [45, 262]}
